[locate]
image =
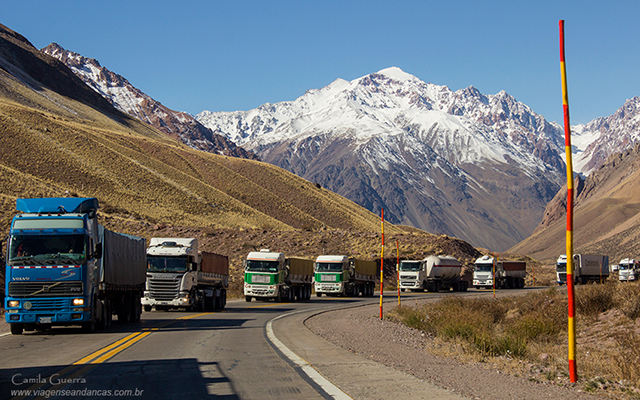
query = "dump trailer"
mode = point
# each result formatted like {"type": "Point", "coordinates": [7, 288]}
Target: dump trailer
{"type": "Point", "coordinates": [586, 268]}
{"type": "Point", "coordinates": [339, 275]}
{"type": "Point", "coordinates": [271, 275]}
{"type": "Point", "coordinates": [63, 268]}
{"type": "Point", "coordinates": [181, 276]}
{"type": "Point", "coordinates": [508, 274]}
{"type": "Point", "coordinates": [628, 270]}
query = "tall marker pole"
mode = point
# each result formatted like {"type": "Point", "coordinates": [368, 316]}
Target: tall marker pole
{"type": "Point", "coordinates": [398, 269]}
{"type": "Point", "coordinates": [567, 145]}
{"type": "Point", "coordinates": [382, 263]}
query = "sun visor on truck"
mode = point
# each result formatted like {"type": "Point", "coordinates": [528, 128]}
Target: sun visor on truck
{"type": "Point", "coordinates": [57, 205]}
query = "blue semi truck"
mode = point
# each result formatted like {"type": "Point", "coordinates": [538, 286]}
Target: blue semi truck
{"type": "Point", "coordinates": [63, 268]}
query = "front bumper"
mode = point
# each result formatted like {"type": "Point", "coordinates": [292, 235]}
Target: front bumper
{"type": "Point", "coordinates": [54, 311]}
{"type": "Point", "coordinates": [265, 291]}
{"type": "Point", "coordinates": [329, 288]}
{"type": "Point", "coordinates": [410, 285]}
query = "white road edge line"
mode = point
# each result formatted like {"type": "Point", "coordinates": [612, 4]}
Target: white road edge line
{"type": "Point", "coordinates": [331, 389]}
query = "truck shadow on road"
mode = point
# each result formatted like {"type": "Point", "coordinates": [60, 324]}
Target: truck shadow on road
{"type": "Point", "coordinates": [155, 379]}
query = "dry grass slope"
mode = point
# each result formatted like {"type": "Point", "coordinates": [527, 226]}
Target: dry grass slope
{"type": "Point", "coordinates": [51, 145]}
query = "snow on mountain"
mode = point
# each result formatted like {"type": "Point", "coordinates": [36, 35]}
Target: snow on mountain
{"type": "Point", "coordinates": [480, 167]}
{"type": "Point", "coordinates": [130, 100]}
{"type": "Point", "coordinates": [594, 142]}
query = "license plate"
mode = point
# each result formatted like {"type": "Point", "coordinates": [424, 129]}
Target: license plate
{"type": "Point", "coordinates": [45, 320]}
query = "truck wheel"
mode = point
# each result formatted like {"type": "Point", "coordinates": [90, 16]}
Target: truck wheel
{"type": "Point", "coordinates": [124, 312]}
{"type": "Point", "coordinates": [16, 329]}
{"type": "Point", "coordinates": [109, 314]}
{"type": "Point", "coordinates": [208, 303]}
{"type": "Point", "coordinates": [147, 308]}
{"type": "Point", "coordinates": [318, 294]}
{"type": "Point", "coordinates": [223, 300]}
{"type": "Point", "coordinates": [90, 326]}
{"type": "Point", "coordinates": [247, 299]}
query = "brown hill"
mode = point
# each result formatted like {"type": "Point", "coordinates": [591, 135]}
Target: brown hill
{"type": "Point", "coordinates": [75, 144]}
{"type": "Point", "coordinates": [116, 89]}
{"type": "Point", "coordinates": [606, 214]}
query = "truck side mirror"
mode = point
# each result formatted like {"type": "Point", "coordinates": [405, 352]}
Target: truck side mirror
{"type": "Point", "coordinates": [98, 252]}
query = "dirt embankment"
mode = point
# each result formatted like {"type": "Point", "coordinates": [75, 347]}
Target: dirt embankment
{"type": "Point", "coordinates": [411, 351]}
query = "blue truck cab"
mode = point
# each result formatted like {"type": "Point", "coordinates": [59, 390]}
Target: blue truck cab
{"type": "Point", "coordinates": [52, 264]}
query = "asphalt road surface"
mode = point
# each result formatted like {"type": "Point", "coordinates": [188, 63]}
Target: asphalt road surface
{"type": "Point", "coordinates": [256, 350]}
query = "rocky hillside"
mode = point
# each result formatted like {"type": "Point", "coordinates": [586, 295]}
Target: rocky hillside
{"type": "Point", "coordinates": [76, 143]}
{"type": "Point", "coordinates": [606, 214]}
{"type": "Point", "coordinates": [604, 136]}
{"type": "Point", "coordinates": [479, 167]}
{"type": "Point", "coordinates": [130, 100]}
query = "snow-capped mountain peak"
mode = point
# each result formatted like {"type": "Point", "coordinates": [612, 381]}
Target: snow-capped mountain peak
{"type": "Point", "coordinates": [427, 138]}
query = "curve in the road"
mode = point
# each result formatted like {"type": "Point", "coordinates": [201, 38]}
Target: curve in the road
{"type": "Point", "coordinates": [307, 368]}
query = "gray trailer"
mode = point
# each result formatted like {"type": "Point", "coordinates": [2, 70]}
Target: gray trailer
{"type": "Point", "coordinates": [122, 275]}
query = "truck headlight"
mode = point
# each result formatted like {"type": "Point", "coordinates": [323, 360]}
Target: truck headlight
{"type": "Point", "coordinates": [13, 303]}
{"type": "Point", "coordinates": [78, 302]}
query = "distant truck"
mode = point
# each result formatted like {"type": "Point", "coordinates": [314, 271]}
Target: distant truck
{"type": "Point", "coordinates": [271, 275]}
{"type": "Point", "coordinates": [586, 268]}
{"type": "Point", "coordinates": [181, 276]}
{"type": "Point", "coordinates": [508, 274]}
{"type": "Point", "coordinates": [433, 274]}
{"type": "Point", "coordinates": [628, 270]}
{"type": "Point", "coordinates": [63, 268]}
{"type": "Point", "coordinates": [343, 276]}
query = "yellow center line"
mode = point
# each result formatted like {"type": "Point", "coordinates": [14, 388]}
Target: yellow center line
{"type": "Point", "coordinates": [118, 349]}
{"type": "Point", "coordinates": [104, 354]}
{"type": "Point", "coordinates": [104, 350]}
{"type": "Point", "coordinates": [271, 305]}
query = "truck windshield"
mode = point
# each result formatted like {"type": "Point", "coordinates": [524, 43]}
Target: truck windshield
{"type": "Point", "coordinates": [262, 266]}
{"type": "Point", "coordinates": [484, 268]}
{"type": "Point", "coordinates": [329, 267]}
{"type": "Point", "coordinates": [166, 264]}
{"type": "Point", "coordinates": [409, 266]}
{"type": "Point", "coordinates": [47, 249]}
{"type": "Point", "coordinates": [623, 267]}
{"type": "Point", "coordinates": [561, 267]}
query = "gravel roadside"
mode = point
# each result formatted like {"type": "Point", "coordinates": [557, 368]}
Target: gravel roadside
{"type": "Point", "coordinates": [361, 331]}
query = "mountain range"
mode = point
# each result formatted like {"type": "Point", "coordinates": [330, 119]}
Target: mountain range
{"type": "Point", "coordinates": [475, 166]}
{"type": "Point", "coordinates": [125, 97]}
{"type": "Point", "coordinates": [59, 138]}
{"type": "Point", "coordinates": [479, 167]}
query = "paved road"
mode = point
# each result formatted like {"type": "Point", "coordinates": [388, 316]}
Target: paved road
{"type": "Point", "coordinates": [257, 350]}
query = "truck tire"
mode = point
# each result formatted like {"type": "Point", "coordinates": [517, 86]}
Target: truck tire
{"type": "Point", "coordinates": [223, 299]}
{"type": "Point", "coordinates": [124, 310]}
{"type": "Point", "coordinates": [209, 303]}
{"type": "Point", "coordinates": [247, 299]}
{"type": "Point", "coordinates": [136, 308]}
{"type": "Point", "coordinates": [318, 294]}
{"type": "Point", "coordinates": [109, 313]}
{"type": "Point", "coordinates": [147, 308]}
{"type": "Point", "coordinates": [16, 329]}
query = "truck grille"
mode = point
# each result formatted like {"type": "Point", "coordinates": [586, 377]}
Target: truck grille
{"type": "Point", "coordinates": [45, 289]}
{"type": "Point", "coordinates": [164, 289]}
{"type": "Point", "coordinates": [49, 304]}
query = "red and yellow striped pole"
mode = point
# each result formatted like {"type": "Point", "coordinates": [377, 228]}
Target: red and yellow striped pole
{"type": "Point", "coordinates": [567, 144]}
{"type": "Point", "coordinates": [398, 269]}
{"type": "Point", "coordinates": [382, 263]}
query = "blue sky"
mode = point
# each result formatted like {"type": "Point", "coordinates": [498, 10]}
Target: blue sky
{"type": "Point", "coordinates": [236, 55]}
